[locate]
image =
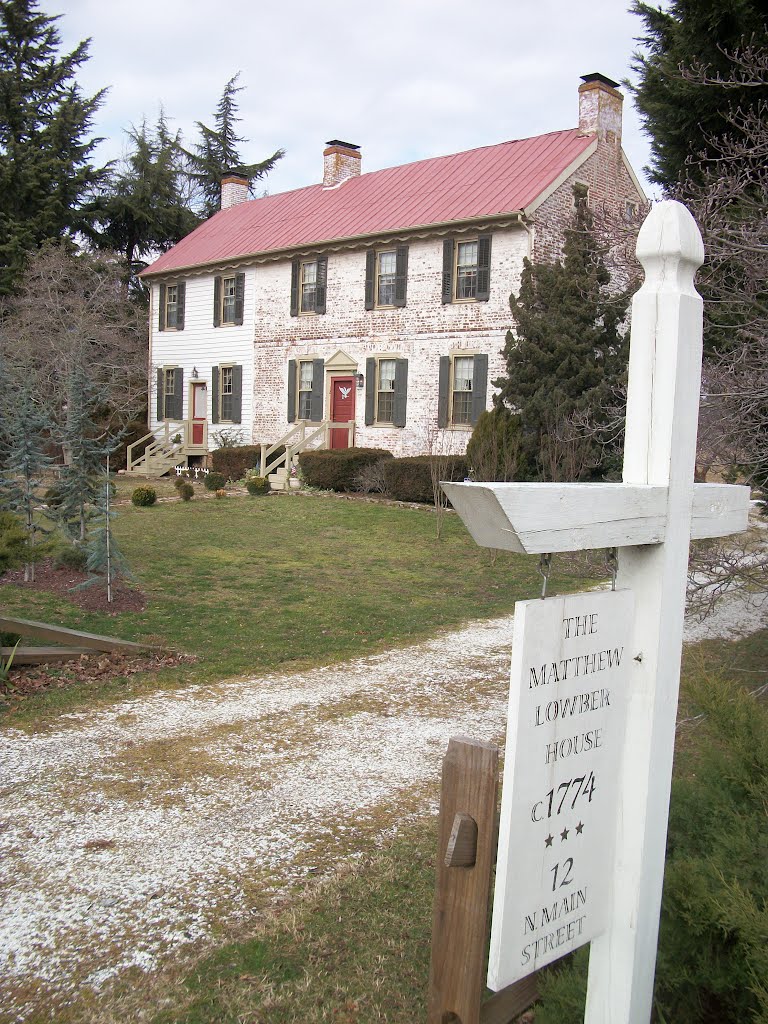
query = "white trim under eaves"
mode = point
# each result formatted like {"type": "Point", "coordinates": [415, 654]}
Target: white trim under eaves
{"type": "Point", "coordinates": [564, 176]}
{"type": "Point", "coordinates": [633, 176]}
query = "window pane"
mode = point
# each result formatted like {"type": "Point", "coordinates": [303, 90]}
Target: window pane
{"type": "Point", "coordinates": [171, 305]}
{"type": "Point", "coordinates": [305, 375]}
{"type": "Point", "coordinates": [226, 380]}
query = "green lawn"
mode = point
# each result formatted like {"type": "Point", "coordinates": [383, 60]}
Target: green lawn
{"type": "Point", "coordinates": [252, 584]}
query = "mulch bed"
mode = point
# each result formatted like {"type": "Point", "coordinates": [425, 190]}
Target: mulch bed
{"type": "Point", "coordinates": [91, 669]}
{"type": "Point", "coordinates": [93, 598]}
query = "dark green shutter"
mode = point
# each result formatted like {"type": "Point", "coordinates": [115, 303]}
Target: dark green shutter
{"type": "Point", "coordinates": [291, 417]}
{"type": "Point", "coordinates": [447, 271]}
{"type": "Point", "coordinates": [444, 383]}
{"type": "Point", "coordinates": [178, 394]}
{"type": "Point", "coordinates": [401, 275]}
{"type": "Point", "coordinates": [484, 267]}
{"type": "Point", "coordinates": [215, 394]}
{"type": "Point", "coordinates": [479, 386]}
{"type": "Point", "coordinates": [322, 282]}
{"type": "Point", "coordinates": [217, 302]}
{"type": "Point", "coordinates": [370, 279]}
{"type": "Point", "coordinates": [401, 392]}
{"type": "Point", "coordinates": [318, 388]}
{"type": "Point", "coordinates": [181, 296]}
{"type": "Point", "coordinates": [294, 290]}
{"type": "Point", "coordinates": [370, 391]}
{"type": "Point", "coordinates": [239, 297]}
{"type": "Point", "coordinates": [160, 395]}
{"type": "Point", "coordinates": [237, 394]}
{"type": "Point", "coordinates": [161, 309]}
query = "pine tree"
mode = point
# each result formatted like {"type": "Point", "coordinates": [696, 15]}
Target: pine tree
{"type": "Point", "coordinates": [218, 152]}
{"type": "Point", "coordinates": [45, 148]}
{"type": "Point", "coordinates": [85, 446]}
{"type": "Point", "coordinates": [144, 208]}
{"type": "Point", "coordinates": [682, 116]}
{"type": "Point", "coordinates": [565, 358]}
{"type": "Point", "coordinates": [106, 562]}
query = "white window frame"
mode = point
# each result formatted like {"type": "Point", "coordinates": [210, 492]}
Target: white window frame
{"type": "Point", "coordinates": [310, 306]}
{"type": "Point", "coordinates": [228, 299]}
{"type": "Point", "coordinates": [466, 420]}
{"type": "Point", "coordinates": [226, 368]}
{"type": "Point", "coordinates": [391, 278]}
{"type": "Point", "coordinates": [304, 391]}
{"type": "Point", "coordinates": [473, 267]}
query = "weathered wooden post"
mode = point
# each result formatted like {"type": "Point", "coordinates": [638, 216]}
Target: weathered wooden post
{"type": "Point", "coordinates": [595, 677]}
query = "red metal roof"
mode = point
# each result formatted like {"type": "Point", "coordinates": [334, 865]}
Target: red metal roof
{"type": "Point", "coordinates": [478, 183]}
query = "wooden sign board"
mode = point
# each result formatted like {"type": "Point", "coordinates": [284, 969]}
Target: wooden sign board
{"type": "Point", "coordinates": [567, 715]}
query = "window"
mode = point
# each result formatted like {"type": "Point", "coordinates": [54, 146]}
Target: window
{"type": "Point", "coordinates": [386, 270]}
{"type": "Point", "coordinates": [306, 380]}
{"type": "Point", "coordinates": [386, 390]}
{"type": "Point", "coordinates": [467, 269]}
{"type": "Point", "coordinates": [227, 393]}
{"type": "Point", "coordinates": [308, 285]}
{"type": "Point", "coordinates": [228, 299]}
{"type": "Point", "coordinates": [171, 306]}
{"type": "Point", "coordinates": [386, 277]}
{"type": "Point", "coordinates": [308, 297]}
{"type": "Point", "coordinates": [304, 389]}
{"type": "Point", "coordinates": [461, 399]}
{"type": "Point", "coordinates": [170, 393]}
{"type": "Point", "coordinates": [385, 393]}
{"type": "Point", "coordinates": [463, 387]}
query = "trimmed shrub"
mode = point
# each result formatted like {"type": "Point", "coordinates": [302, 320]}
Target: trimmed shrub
{"type": "Point", "coordinates": [181, 480]}
{"type": "Point", "coordinates": [410, 479]}
{"type": "Point", "coordinates": [233, 463]}
{"type": "Point", "coordinates": [257, 485]}
{"type": "Point", "coordinates": [337, 469]}
{"type": "Point", "coordinates": [215, 481]}
{"type": "Point", "coordinates": [186, 491]}
{"type": "Point", "coordinates": [70, 557]}
{"type": "Point", "coordinates": [494, 450]}
{"type": "Point", "coordinates": [144, 496]}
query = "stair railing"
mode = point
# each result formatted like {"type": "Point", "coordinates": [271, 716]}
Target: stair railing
{"type": "Point", "coordinates": [158, 447]}
{"type": "Point", "coordinates": [296, 440]}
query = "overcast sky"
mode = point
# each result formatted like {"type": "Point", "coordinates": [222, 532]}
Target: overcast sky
{"type": "Point", "coordinates": [403, 79]}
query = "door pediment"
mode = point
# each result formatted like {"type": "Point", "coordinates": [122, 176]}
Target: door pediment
{"type": "Point", "coordinates": [341, 362]}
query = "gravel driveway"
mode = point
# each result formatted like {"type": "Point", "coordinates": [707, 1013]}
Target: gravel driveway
{"type": "Point", "coordinates": [128, 832]}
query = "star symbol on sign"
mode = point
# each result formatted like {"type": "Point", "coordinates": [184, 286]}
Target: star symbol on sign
{"type": "Point", "coordinates": [563, 835]}
{"type": "Point", "coordinates": [548, 840]}
{"type": "Point", "coordinates": [579, 828]}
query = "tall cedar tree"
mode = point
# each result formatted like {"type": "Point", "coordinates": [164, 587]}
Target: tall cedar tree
{"type": "Point", "coordinates": [143, 208]}
{"type": "Point", "coordinates": [217, 152]}
{"type": "Point", "coordinates": [565, 359]}
{"type": "Point", "coordinates": [681, 116]}
{"type": "Point", "coordinates": [45, 148]}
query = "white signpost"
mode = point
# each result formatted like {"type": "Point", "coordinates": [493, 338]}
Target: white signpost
{"type": "Point", "coordinates": [650, 517]}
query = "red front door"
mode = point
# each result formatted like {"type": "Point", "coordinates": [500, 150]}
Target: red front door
{"type": "Point", "coordinates": [199, 405]}
{"type": "Point", "coordinates": [342, 408]}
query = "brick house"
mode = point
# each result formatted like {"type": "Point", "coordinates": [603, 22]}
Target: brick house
{"type": "Point", "coordinates": [378, 302]}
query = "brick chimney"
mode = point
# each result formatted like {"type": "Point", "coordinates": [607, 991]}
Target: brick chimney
{"type": "Point", "coordinates": [234, 189]}
{"type": "Point", "coordinates": [341, 160]}
{"type": "Point", "coordinates": [600, 105]}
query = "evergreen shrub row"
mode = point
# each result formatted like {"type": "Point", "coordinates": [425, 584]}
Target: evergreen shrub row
{"type": "Point", "coordinates": [336, 470]}
{"type": "Point", "coordinates": [410, 479]}
{"type": "Point", "coordinates": [234, 463]}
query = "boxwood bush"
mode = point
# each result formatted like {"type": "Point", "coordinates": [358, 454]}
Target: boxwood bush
{"type": "Point", "coordinates": [410, 479]}
{"type": "Point", "coordinates": [257, 485]}
{"type": "Point", "coordinates": [336, 469]}
{"type": "Point", "coordinates": [144, 496]}
{"type": "Point", "coordinates": [215, 481]}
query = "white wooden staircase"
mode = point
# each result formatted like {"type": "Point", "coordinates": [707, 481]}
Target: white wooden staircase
{"type": "Point", "coordinates": [165, 452]}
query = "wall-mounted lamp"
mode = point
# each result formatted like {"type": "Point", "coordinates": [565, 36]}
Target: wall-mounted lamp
{"type": "Point", "coordinates": [360, 381]}
{"type": "Point", "coordinates": [195, 374]}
